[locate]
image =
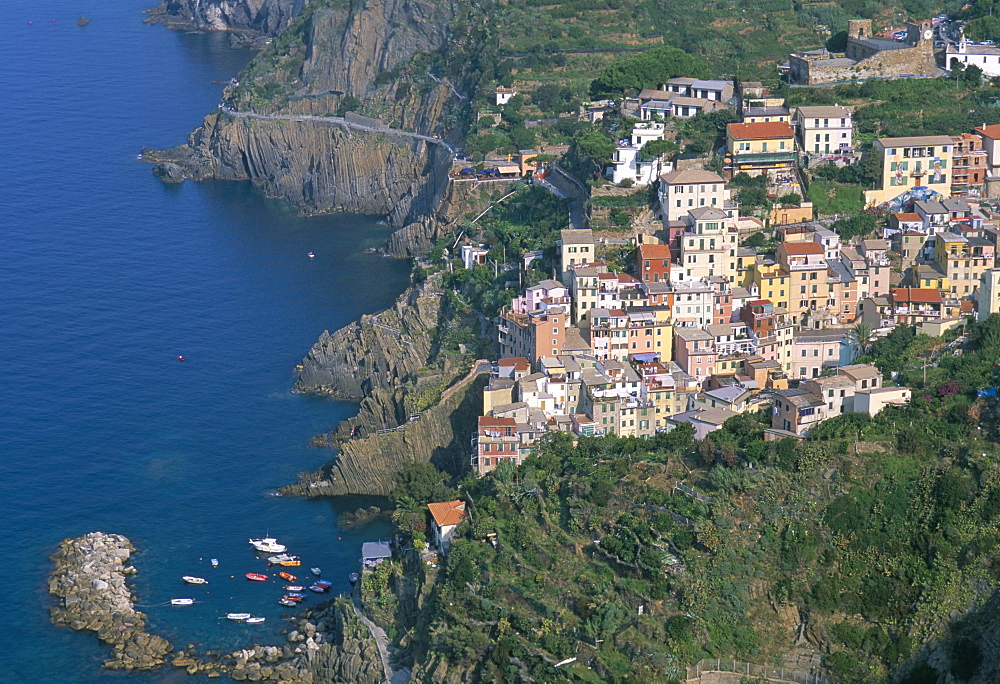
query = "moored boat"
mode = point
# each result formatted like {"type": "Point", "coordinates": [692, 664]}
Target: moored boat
{"type": "Point", "coordinates": [318, 589]}
{"type": "Point", "coordinates": [254, 620]}
{"type": "Point", "coordinates": [316, 571]}
{"type": "Point", "coordinates": [215, 562]}
{"type": "Point", "coordinates": [353, 577]}
{"type": "Point", "coordinates": [274, 560]}
{"type": "Point", "coordinates": [194, 580]}
{"type": "Point", "coordinates": [294, 587]}
{"type": "Point", "coordinates": [295, 595]}
{"type": "Point", "coordinates": [237, 616]}
{"type": "Point", "coordinates": [181, 602]}
{"type": "Point", "coordinates": [293, 599]}
{"type": "Point", "coordinates": [288, 603]}
{"type": "Point", "coordinates": [287, 576]}
{"type": "Point", "coordinates": [268, 545]}
{"type": "Point", "coordinates": [323, 583]}
{"type": "Point", "coordinates": [256, 577]}
{"type": "Point", "coordinates": [290, 563]}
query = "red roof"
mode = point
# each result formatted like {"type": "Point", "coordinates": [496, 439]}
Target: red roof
{"type": "Point", "coordinates": [992, 131]}
{"type": "Point", "coordinates": [448, 512]}
{"type": "Point", "coordinates": [759, 302]}
{"type": "Point", "coordinates": [801, 248]}
{"type": "Point", "coordinates": [490, 421]}
{"type": "Point", "coordinates": [654, 251]}
{"type": "Point", "coordinates": [758, 131]}
{"type": "Point", "coordinates": [518, 362]}
{"type": "Point", "coordinates": [918, 295]}
{"type": "Point", "coordinates": [908, 217]}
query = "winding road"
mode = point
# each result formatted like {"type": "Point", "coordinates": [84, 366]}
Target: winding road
{"type": "Point", "coordinates": [340, 121]}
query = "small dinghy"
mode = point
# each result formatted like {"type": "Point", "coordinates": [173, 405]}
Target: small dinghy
{"type": "Point", "coordinates": [317, 588]}
{"type": "Point", "coordinates": [293, 563]}
{"type": "Point", "coordinates": [239, 617]}
{"type": "Point", "coordinates": [287, 576]}
{"type": "Point", "coordinates": [215, 562]}
{"type": "Point", "coordinates": [316, 571]}
{"type": "Point", "coordinates": [254, 620]}
{"type": "Point", "coordinates": [288, 603]}
{"type": "Point", "coordinates": [295, 595]}
{"type": "Point", "coordinates": [293, 599]}
{"type": "Point", "coordinates": [181, 602]}
{"type": "Point", "coordinates": [294, 587]}
{"type": "Point", "coordinates": [194, 580]}
{"type": "Point", "coordinates": [275, 560]}
{"type": "Point", "coordinates": [326, 584]}
{"type": "Point", "coordinates": [353, 577]}
{"type": "Point", "coordinates": [255, 577]}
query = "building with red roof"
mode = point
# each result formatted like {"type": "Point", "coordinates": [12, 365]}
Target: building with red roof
{"type": "Point", "coordinates": [756, 148]}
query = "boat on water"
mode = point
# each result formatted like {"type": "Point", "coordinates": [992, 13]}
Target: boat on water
{"type": "Point", "coordinates": [256, 577]}
{"type": "Point", "coordinates": [254, 620]}
{"type": "Point", "coordinates": [268, 545]}
{"type": "Point", "coordinates": [290, 563]}
{"type": "Point", "coordinates": [275, 560]}
{"type": "Point", "coordinates": [287, 576]}
{"type": "Point", "coordinates": [288, 603]}
{"type": "Point", "coordinates": [317, 588]}
{"type": "Point", "coordinates": [181, 602]}
{"type": "Point", "coordinates": [323, 583]}
{"type": "Point", "coordinates": [215, 562]}
{"type": "Point", "coordinates": [316, 571]}
{"type": "Point", "coordinates": [295, 595]}
{"type": "Point", "coordinates": [194, 580]}
{"type": "Point", "coordinates": [82, 21]}
{"type": "Point", "coordinates": [294, 587]}
{"type": "Point", "coordinates": [293, 599]}
{"type": "Point", "coordinates": [353, 577]}
{"type": "Point", "coordinates": [239, 617]}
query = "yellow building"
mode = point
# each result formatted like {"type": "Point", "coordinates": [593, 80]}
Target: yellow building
{"type": "Point", "coordinates": [963, 260]}
{"type": "Point", "coordinates": [757, 148]}
{"type": "Point", "coordinates": [773, 282]}
{"type": "Point", "coordinates": [906, 163]}
{"type": "Point", "coordinates": [927, 277]}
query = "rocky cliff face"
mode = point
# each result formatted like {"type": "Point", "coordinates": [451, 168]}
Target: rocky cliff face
{"type": "Point", "coordinates": [261, 17]}
{"type": "Point", "coordinates": [372, 59]}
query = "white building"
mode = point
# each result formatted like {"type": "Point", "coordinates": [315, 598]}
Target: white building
{"type": "Point", "coordinates": [504, 95]}
{"type": "Point", "coordinates": [986, 57]}
{"type": "Point", "coordinates": [682, 191]}
{"type": "Point", "coordinates": [824, 130]}
{"type": "Point", "coordinates": [628, 162]}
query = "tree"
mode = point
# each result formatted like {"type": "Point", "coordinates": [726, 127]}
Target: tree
{"type": "Point", "coordinates": [655, 148]}
{"type": "Point", "coordinates": [792, 199]}
{"type": "Point", "coordinates": [596, 145]}
{"type": "Point", "coordinates": [422, 483]}
{"type": "Point", "coordinates": [862, 336]}
{"type": "Point", "coordinates": [647, 69]}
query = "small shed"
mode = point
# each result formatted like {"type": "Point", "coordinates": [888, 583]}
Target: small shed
{"type": "Point", "coordinates": [373, 553]}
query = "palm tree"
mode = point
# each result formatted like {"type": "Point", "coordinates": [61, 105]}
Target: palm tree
{"type": "Point", "coordinates": [863, 336]}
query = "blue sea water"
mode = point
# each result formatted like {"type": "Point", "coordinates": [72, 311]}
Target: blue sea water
{"type": "Point", "coordinates": [106, 277]}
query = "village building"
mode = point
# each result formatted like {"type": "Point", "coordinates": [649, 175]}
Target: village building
{"type": "Point", "coordinates": [682, 191]}
{"type": "Point", "coordinates": [445, 517]}
{"type": "Point", "coordinates": [631, 164]}
{"type": "Point", "coordinates": [576, 248]}
{"type": "Point", "coordinates": [760, 148]}
{"type": "Point", "coordinates": [824, 130]}
{"type": "Point", "coordinates": [917, 167]}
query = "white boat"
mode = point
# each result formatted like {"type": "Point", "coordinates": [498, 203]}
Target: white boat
{"type": "Point", "coordinates": [215, 562]}
{"type": "Point", "coordinates": [268, 545]}
{"type": "Point", "coordinates": [316, 571]}
{"type": "Point", "coordinates": [181, 602]}
{"type": "Point", "coordinates": [281, 558]}
{"type": "Point", "coordinates": [254, 620]}
{"type": "Point", "coordinates": [293, 587]}
{"type": "Point", "coordinates": [194, 580]}
{"type": "Point", "coordinates": [238, 616]}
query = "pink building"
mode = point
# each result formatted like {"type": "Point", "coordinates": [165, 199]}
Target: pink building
{"type": "Point", "coordinates": [694, 351]}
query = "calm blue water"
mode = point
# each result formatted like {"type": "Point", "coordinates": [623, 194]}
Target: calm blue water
{"type": "Point", "coordinates": [106, 276]}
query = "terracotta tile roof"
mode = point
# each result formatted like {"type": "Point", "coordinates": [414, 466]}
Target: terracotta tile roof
{"type": "Point", "coordinates": [447, 512]}
{"type": "Point", "coordinates": [654, 251]}
{"type": "Point", "coordinates": [518, 362]}
{"type": "Point", "coordinates": [920, 295]}
{"type": "Point", "coordinates": [490, 421]}
{"type": "Point", "coordinates": [909, 216]}
{"type": "Point", "coordinates": [757, 131]}
{"type": "Point", "coordinates": [992, 131]}
{"type": "Point", "coordinates": [801, 248]}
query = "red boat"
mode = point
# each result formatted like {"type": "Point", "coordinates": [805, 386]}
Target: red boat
{"type": "Point", "coordinates": [254, 577]}
{"type": "Point", "coordinates": [293, 599]}
{"type": "Point", "coordinates": [287, 576]}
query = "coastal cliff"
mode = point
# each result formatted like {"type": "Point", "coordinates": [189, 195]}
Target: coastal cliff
{"type": "Point", "coordinates": [252, 17]}
{"type": "Point", "coordinates": [375, 60]}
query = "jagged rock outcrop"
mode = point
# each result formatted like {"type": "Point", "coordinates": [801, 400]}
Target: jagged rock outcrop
{"type": "Point", "coordinates": [379, 352]}
{"type": "Point", "coordinates": [89, 581]}
{"type": "Point", "coordinates": [261, 17]}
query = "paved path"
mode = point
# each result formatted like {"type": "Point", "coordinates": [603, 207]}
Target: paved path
{"type": "Point", "coordinates": [381, 640]}
{"type": "Point", "coordinates": [340, 121]}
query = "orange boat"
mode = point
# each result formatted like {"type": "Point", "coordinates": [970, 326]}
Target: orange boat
{"type": "Point", "coordinates": [291, 563]}
{"type": "Point", "coordinates": [287, 576]}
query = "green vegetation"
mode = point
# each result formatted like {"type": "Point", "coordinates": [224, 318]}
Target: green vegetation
{"type": "Point", "coordinates": [831, 198]}
{"type": "Point", "coordinates": [871, 534]}
{"type": "Point", "coordinates": [648, 69]}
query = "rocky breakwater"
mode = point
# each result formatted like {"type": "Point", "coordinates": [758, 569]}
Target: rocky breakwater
{"type": "Point", "coordinates": [333, 59]}
{"type": "Point", "coordinates": [89, 581]}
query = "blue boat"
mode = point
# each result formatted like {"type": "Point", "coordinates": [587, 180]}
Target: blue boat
{"type": "Point", "coordinates": [353, 577]}
{"type": "Point", "coordinates": [318, 589]}
{"type": "Point", "coordinates": [295, 595]}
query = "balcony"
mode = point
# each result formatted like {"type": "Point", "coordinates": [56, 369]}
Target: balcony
{"type": "Point", "coordinates": [764, 157]}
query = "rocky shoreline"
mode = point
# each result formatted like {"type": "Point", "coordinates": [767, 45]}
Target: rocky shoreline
{"type": "Point", "coordinates": [89, 580]}
{"type": "Point", "coordinates": [327, 643]}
